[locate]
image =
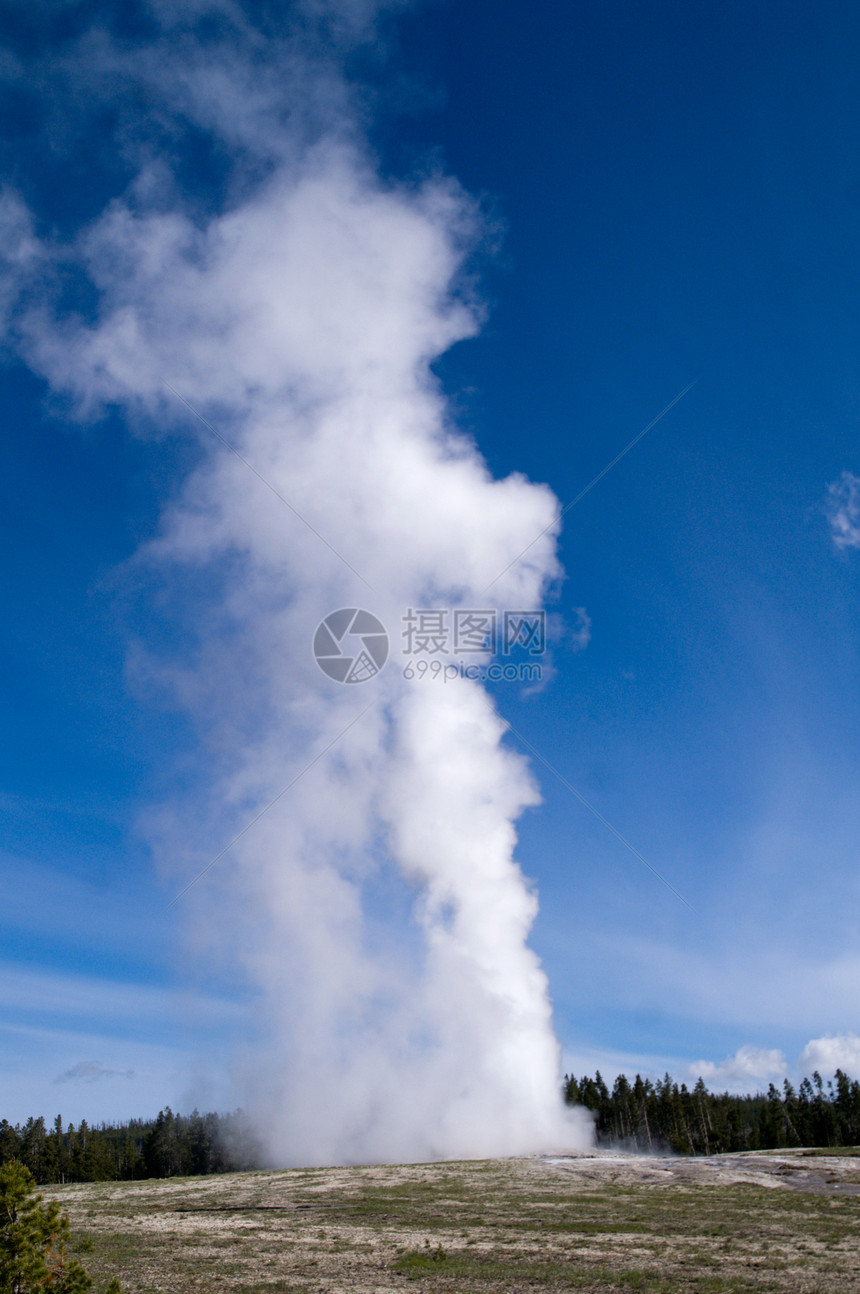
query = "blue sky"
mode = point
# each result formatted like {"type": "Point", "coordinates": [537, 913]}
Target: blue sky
{"type": "Point", "coordinates": [669, 196]}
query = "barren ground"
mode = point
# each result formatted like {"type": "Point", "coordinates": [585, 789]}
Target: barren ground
{"type": "Point", "coordinates": [787, 1222]}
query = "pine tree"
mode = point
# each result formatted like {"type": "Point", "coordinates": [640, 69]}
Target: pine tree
{"type": "Point", "coordinates": [33, 1238]}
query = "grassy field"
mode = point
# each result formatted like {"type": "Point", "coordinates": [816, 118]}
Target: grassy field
{"type": "Point", "coordinates": [787, 1223]}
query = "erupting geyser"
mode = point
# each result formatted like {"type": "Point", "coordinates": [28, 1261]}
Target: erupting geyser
{"type": "Point", "coordinates": [377, 905]}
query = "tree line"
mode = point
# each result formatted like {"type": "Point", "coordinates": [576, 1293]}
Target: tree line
{"type": "Point", "coordinates": [663, 1116]}
{"type": "Point", "coordinates": [171, 1145]}
{"type": "Point", "coordinates": [642, 1115]}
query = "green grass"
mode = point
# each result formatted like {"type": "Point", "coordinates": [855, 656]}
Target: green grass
{"type": "Point", "coordinates": [840, 1152]}
{"type": "Point", "coordinates": [418, 1263]}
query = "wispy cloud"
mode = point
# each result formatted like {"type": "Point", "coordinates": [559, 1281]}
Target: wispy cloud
{"type": "Point", "coordinates": [737, 987]}
{"type": "Point", "coordinates": [19, 250]}
{"type": "Point", "coordinates": [90, 1071]}
{"type": "Point", "coordinates": [82, 1001]}
{"type": "Point", "coordinates": [843, 510]}
{"type": "Point", "coordinates": [580, 631]}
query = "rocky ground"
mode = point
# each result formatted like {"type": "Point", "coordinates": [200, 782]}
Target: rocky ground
{"type": "Point", "coordinates": [787, 1222]}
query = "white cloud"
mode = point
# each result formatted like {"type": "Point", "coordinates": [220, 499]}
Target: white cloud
{"type": "Point", "coordinates": [750, 1069]}
{"type": "Point", "coordinates": [843, 510]}
{"type": "Point", "coordinates": [838, 1051]}
{"type": "Point", "coordinates": [746, 1071]}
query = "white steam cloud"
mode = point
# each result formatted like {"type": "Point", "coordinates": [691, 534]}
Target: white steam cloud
{"type": "Point", "coordinates": [377, 904]}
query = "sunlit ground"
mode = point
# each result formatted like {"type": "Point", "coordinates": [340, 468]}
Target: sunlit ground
{"type": "Point", "coordinates": [781, 1222]}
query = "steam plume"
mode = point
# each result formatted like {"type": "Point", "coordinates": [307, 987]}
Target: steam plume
{"type": "Point", "coordinates": [377, 905]}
